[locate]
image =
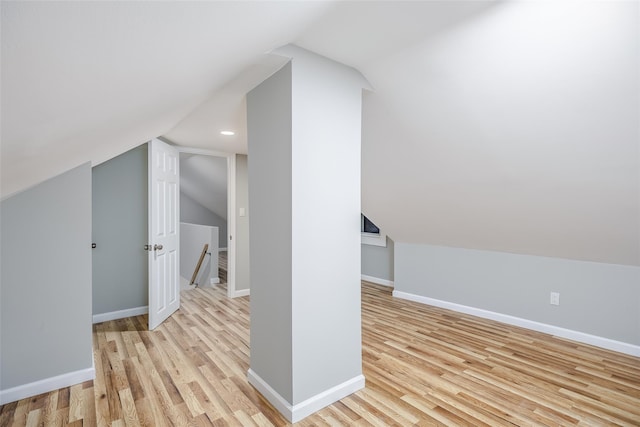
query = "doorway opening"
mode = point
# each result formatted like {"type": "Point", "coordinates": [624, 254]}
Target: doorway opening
{"type": "Point", "coordinates": [207, 199]}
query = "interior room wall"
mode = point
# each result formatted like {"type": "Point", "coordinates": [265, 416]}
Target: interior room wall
{"type": "Point", "coordinates": [192, 240]}
{"type": "Point", "coordinates": [598, 299]}
{"type": "Point", "coordinates": [269, 118]}
{"type": "Point", "coordinates": [194, 213]}
{"type": "Point", "coordinates": [45, 262]}
{"type": "Point", "coordinates": [377, 262]}
{"type": "Point", "coordinates": [120, 228]}
{"type": "Point", "coordinates": [326, 222]}
{"type": "Point", "coordinates": [305, 235]}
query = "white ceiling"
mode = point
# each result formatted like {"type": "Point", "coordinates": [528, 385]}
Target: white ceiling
{"type": "Point", "coordinates": [510, 126]}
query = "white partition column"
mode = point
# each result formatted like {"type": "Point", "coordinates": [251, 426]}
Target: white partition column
{"type": "Point", "coordinates": [304, 127]}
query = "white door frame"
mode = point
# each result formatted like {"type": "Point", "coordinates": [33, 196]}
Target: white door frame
{"type": "Point", "coordinates": [231, 211]}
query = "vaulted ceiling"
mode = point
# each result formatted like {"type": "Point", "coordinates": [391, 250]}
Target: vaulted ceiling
{"type": "Point", "coordinates": [204, 179]}
{"type": "Point", "coordinates": [510, 126]}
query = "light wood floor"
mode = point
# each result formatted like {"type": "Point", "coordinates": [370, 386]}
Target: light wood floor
{"type": "Point", "coordinates": [423, 366]}
{"type": "Point", "coordinates": [222, 266]}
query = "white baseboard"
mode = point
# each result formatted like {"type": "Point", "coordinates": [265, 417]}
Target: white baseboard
{"type": "Point", "coordinates": [120, 314]}
{"type": "Point", "coordinates": [215, 280]}
{"type": "Point", "coordinates": [295, 413]}
{"type": "Point", "coordinates": [377, 281]}
{"type": "Point", "coordinates": [240, 293]}
{"type": "Point", "coordinates": [46, 385]}
{"type": "Point", "coordinates": [582, 337]}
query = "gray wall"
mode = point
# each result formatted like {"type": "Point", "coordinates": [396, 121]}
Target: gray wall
{"type": "Point", "coordinates": [243, 275]}
{"type": "Point", "coordinates": [327, 102]}
{"type": "Point", "coordinates": [304, 172]}
{"type": "Point", "coordinates": [193, 237]}
{"type": "Point", "coordinates": [269, 134]}
{"type": "Point", "coordinates": [377, 261]}
{"type": "Point", "coordinates": [194, 213]}
{"type": "Point", "coordinates": [595, 298]}
{"type": "Point", "coordinates": [120, 228]}
{"type": "Point", "coordinates": [46, 280]}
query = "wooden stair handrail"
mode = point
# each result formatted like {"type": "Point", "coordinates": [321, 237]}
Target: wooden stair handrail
{"type": "Point", "coordinates": [195, 273]}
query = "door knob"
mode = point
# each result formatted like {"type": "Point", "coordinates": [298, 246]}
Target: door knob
{"type": "Point", "coordinates": [157, 247]}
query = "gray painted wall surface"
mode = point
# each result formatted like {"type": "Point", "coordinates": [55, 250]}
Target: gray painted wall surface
{"type": "Point", "coordinates": [46, 280]}
{"type": "Point", "coordinates": [193, 237]}
{"type": "Point", "coordinates": [377, 261]}
{"type": "Point", "coordinates": [305, 294]}
{"type": "Point", "coordinates": [327, 102]}
{"type": "Point", "coordinates": [243, 274]}
{"type": "Point", "coordinates": [595, 298]}
{"type": "Point", "coordinates": [269, 136]}
{"type": "Point", "coordinates": [194, 213]}
{"type": "Point", "coordinates": [120, 228]}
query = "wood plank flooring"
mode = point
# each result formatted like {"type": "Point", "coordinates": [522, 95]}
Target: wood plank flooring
{"type": "Point", "coordinates": [222, 266]}
{"type": "Point", "coordinates": [423, 365]}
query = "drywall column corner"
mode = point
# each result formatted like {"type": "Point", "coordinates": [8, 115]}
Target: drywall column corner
{"type": "Point", "coordinates": [304, 127]}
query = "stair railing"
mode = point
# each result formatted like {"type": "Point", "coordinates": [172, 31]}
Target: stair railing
{"type": "Point", "coordinates": [195, 272]}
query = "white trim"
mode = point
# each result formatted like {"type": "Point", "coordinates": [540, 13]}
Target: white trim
{"type": "Point", "coordinates": [231, 211]}
{"type": "Point", "coordinates": [46, 385]}
{"type": "Point", "coordinates": [120, 314]}
{"type": "Point", "coordinates": [231, 226]}
{"type": "Point", "coordinates": [373, 239]}
{"type": "Point", "coordinates": [303, 409]}
{"type": "Point", "coordinates": [239, 293]}
{"type": "Point", "coordinates": [222, 249]}
{"type": "Point", "coordinates": [609, 344]}
{"type": "Point", "coordinates": [214, 280]}
{"type": "Point", "coordinates": [376, 280]}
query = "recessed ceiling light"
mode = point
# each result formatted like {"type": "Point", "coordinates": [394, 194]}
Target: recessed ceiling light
{"type": "Point", "coordinates": [228, 132]}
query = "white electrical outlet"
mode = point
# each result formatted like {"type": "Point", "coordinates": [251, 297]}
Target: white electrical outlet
{"type": "Point", "coordinates": [555, 298]}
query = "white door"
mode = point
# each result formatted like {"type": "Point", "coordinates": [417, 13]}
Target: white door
{"type": "Point", "coordinates": [164, 239]}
